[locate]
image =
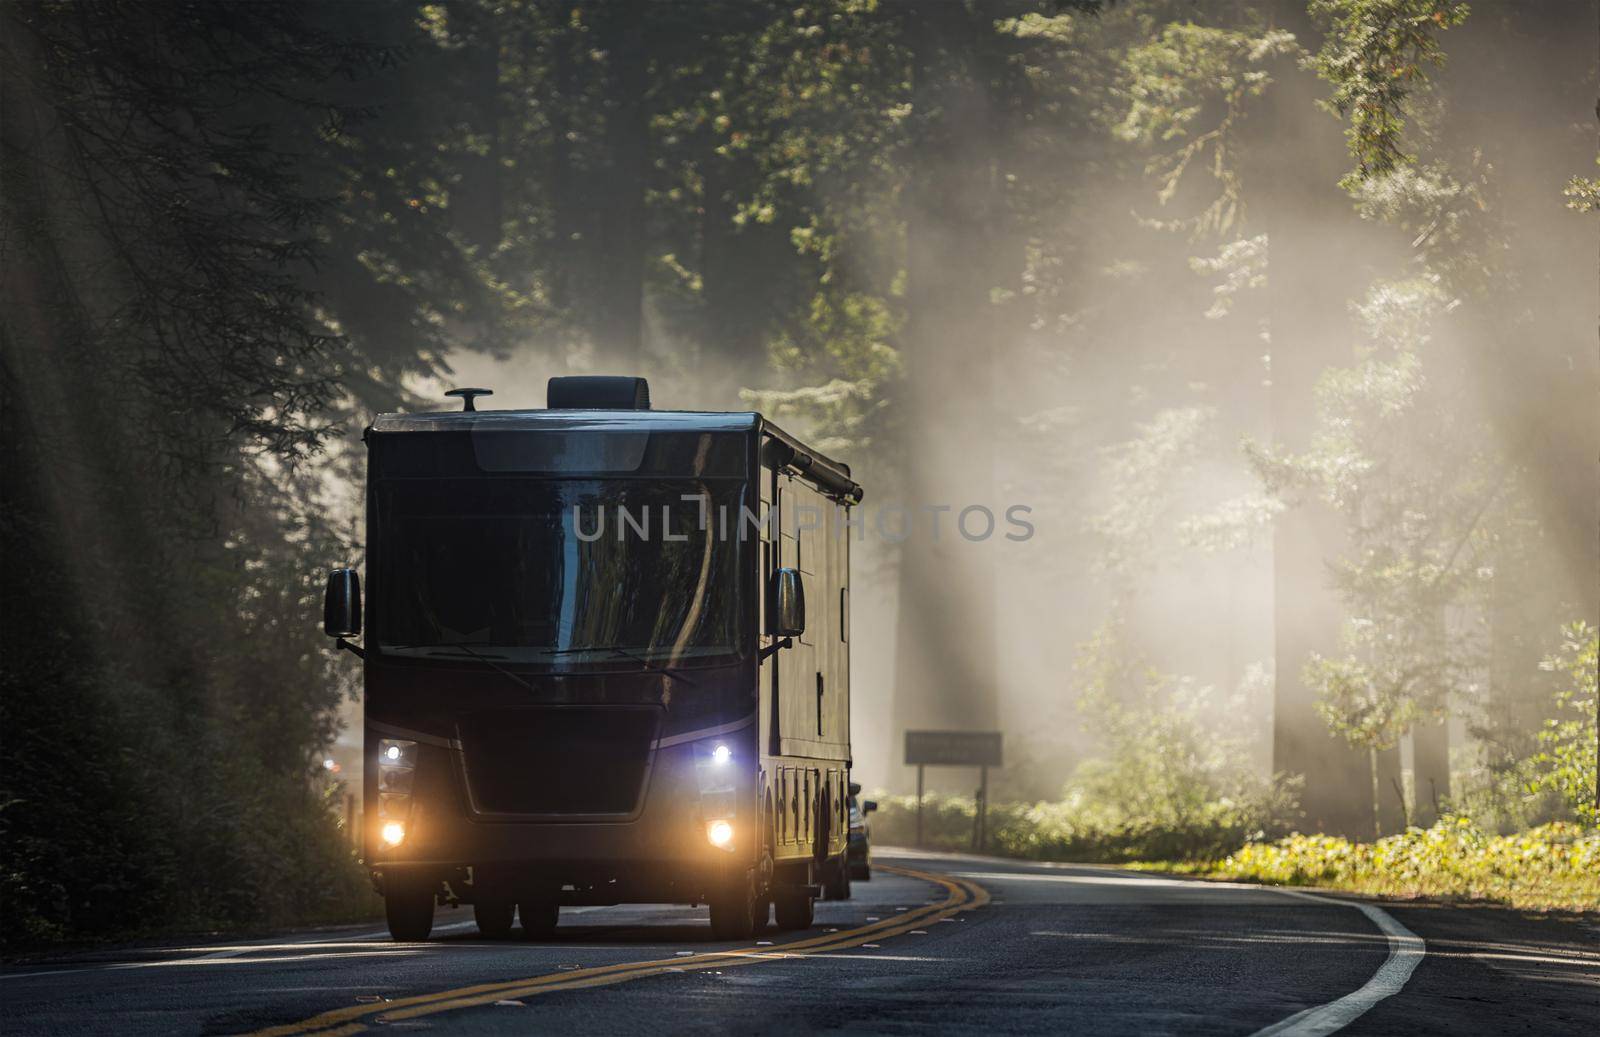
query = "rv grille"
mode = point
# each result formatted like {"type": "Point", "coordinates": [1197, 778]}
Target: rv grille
{"type": "Point", "coordinates": [558, 760]}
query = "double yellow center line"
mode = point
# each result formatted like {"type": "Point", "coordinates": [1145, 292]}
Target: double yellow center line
{"type": "Point", "coordinates": [960, 895]}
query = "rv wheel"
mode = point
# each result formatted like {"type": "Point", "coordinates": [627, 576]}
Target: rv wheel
{"type": "Point", "coordinates": [494, 918]}
{"type": "Point", "coordinates": [794, 910]}
{"type": "Point", "coordinates": [836, 879]}
{"type": "Point", "coordinates": [738, 911]}
{"type": "Point", "coordinates": [408, 908]}
{"type": "Point", "coordinates": [539, 918]}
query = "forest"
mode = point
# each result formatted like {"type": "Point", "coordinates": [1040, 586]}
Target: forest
{"type": "Point", "coordinates": [1278, 317]}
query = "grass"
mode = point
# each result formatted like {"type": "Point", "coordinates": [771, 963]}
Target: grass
{"type": "Point", "coordinates": [1554, 867]}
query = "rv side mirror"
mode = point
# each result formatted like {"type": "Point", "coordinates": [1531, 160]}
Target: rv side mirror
{"type": "Point", "coordinates": [869, 806]}
{"type": "Point", "coordinates": [341, 604]}
{"type": "Point", "coordinates": [788, 603]}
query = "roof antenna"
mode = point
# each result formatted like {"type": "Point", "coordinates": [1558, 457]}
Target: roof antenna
{"type": "Point", "coordinates": [468, 396]}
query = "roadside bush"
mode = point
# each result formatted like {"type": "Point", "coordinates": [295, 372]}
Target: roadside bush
{"type": "Point", "coordinates": [1566, 761]}
{"type": "Point", "coordinates": [1169, 786]}
{"type": "Point", "coordinates": [1080, 828]}
{"type": "Point", "coordinates": [1556, 865]}
{"type": "Point", "coordinates": [1175, 779]}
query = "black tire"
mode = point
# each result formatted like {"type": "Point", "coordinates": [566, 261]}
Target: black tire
{"type": "Point", "coordinates": [494, 918]}
{"type": "Point", "coordinates": [836, 880]}
{"type": "Point", "coordinates": [738, 913]}
{"type": "Point", "coordinates": [794, 910]}
{"type": "Point", "coordinates": [408, 908]}
{"type": "Point", "coordinates": [539, 918]}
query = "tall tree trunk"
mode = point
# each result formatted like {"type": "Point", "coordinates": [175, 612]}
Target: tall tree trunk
{"type": "Point", "coordinates": [1533, 349]}
{"type": "Point", "coordinates": [478, 206]}
{"type": "Point", "coordinates": [1390, 791]}
{"type": "Point", "coordinates": [1310, 228]}
{"type": "Point", "coordinates": [945, 652]}
{"type": "Point", "coordinates": [734, 272]}
{"type": "Point", "coordinates": [566, 206]}
{"type": "Point", "coordinates": [618, 309]}
{"type": "Point", "coordinates": [1430, 768]}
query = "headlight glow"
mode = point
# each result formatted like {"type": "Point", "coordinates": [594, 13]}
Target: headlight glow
{"type": "Point", "coordinates": [397, 752]}
{"type": "Point", "coordinates": [397, 772]}
{"type": "Point", "coordinates": [720, 833]}
{"type": "Point", "coordinates": [721, 754]}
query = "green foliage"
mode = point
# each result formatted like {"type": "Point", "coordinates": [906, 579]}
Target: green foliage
{"type": "Point", "coordinates": [205, 283]}
{"type": "Point", "coordinates": [165, 365]}
{"type": "Point", "coordinates": [1242, 265]}
{"type": "Point", "coordinates": [1082, 828]}
{"type": "Point", "coordinates": [1508, 786]}
{"type": "Point", "coordinates": [1565, 762]}
{"type": "Point", "coordinates": [1169, 782]}
{"type": "Point", "coordinates": [1172, 777]}
{"type": "Point", "coordinates": [1400, 457]}
{"type": "Point", "coordinates": [1188, 92]}
{"type": "Point", "coordinates": [1139, 512]}
{"type": "Point", "coordinates": [847, 341]}
{"type": "Point", "coordinates": [1376, 54]}
{"type": "Point", "coordinates": [1553, 866]}
{"type": "Point", "coordinates": [1583, 192]}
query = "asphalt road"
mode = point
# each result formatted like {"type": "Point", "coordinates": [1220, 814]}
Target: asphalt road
{"type": "Point", "coordinates": [950, 945]}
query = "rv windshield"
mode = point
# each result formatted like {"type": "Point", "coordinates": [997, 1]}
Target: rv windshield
{"type": "Point", "coordinates": [546, 570]}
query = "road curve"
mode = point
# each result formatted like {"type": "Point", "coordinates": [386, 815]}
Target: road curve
{"type": "Point", "coordinates": [947, 944]}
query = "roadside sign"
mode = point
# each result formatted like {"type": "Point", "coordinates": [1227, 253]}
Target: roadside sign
{"type": "Point", "coordinates": [953, 748]}
{"type": "Point", "coordinates": [979, 749]}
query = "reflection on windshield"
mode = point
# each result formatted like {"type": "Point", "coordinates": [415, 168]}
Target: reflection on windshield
{"type": "Point", "coordinates": [512, 569]}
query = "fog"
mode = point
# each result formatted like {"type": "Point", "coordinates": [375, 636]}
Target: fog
{"type": "Point", "coordinates": [1130, 371]}
{"type": "Point", "coordinates": [1284, 348]}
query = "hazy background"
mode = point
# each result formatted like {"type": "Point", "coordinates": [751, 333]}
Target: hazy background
{"type": "Point", "coordinates": [1280, 317]}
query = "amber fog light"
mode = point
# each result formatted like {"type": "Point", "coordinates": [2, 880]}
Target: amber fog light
{"type": "Point", "coordinates": [720, 833]}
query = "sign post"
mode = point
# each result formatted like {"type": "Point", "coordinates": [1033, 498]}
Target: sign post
{"type": "Point", "coordinates": [919, 806]}
{"type": "Point", "coordinates": [980, 831]}
{"type": "Point", "coordinates": [979, 749]}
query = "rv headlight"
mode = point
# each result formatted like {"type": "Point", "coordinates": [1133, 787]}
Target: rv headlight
{"type": "Point", "coordinates": [720, 833]}
{"type": "Point", "coordinates": [394, 833]}
{"type": "Point", "coordinates": [721, 754]}
{"type": "Point", "coordinates": [397, 752]}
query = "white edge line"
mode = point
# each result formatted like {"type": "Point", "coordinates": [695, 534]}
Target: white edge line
{"type": "Point", "coordinates": [223, 956]}
{"type": "Point", "coordinates": [1406, 950]}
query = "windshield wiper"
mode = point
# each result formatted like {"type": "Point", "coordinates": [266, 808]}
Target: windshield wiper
{"type": "Point", "coordinates": [431, 645]}
{"type": "Point", "coordinates": [628, 653]}
{"type": "Point", "coordinates": [650, 664]}
{"type": "Point", "coordinates": [466, 649]}
{"type": "Point", "coordinates": [619, 651]}
{"type": "Point", "coordinates": [490, 660]}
